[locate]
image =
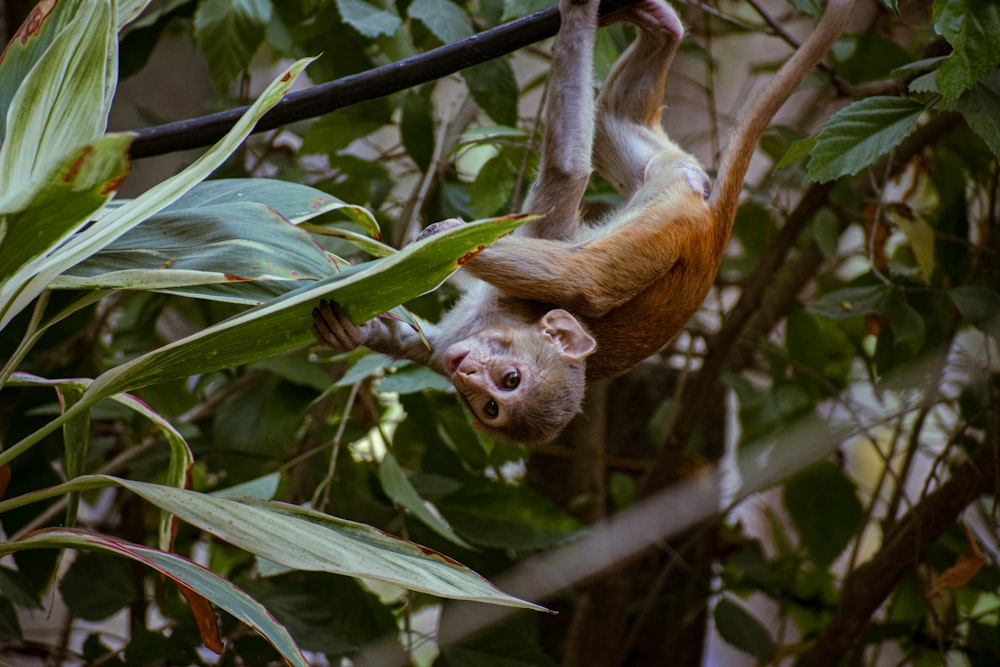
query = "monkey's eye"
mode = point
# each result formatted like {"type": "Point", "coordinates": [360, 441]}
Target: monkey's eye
{"type": "Point", "coordinates": [511, 380]}
{"type": "Point", "coordinates": [491, 409]}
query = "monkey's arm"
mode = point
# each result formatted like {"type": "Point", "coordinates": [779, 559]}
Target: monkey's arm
{"type": "Point", "coordinates": [569, 126]}
{"type": "Point", "coordinates": [397, 339]}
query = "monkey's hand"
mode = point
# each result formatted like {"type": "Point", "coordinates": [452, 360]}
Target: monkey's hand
{"type": "Point", "coordinates": [333, 329]}
{"type": "Point", "coordinates": [438, 227]}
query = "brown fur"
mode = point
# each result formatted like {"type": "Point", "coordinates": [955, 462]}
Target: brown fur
{"type": "Point", "coordinates": [630, 283]}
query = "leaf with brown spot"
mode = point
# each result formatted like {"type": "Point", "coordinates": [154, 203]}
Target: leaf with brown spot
{"type": "Point", "coordinates": [965, 568]}
{"type": "Point", "coordinates": [33, 23]}
{"type": "Point", "coordinates": [204, 616]}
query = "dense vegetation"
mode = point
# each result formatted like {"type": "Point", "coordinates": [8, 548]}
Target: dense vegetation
{"type": "Point", "coordinates": [806, 476]}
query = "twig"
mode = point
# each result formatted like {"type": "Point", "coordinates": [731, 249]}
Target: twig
{"type": "Point", "coordinates": [868, 586]}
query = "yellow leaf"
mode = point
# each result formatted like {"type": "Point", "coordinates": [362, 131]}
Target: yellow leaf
{"type": "Point", "coordinates": [921, 237]}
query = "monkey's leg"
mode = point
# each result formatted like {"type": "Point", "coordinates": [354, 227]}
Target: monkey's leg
{"type": "Point", "coordinates": [630, 143]}
{"type": "Point", "coordinates": [569, 126]}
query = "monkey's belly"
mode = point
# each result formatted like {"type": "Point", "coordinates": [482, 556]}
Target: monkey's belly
{"type": "Point", "coordinates": [628, 334]}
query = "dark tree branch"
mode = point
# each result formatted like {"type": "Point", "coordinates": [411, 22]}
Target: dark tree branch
{"type": "Point", "coordinates": [867, 587]}
{"type": "Point", "coordinates": [357, 88]}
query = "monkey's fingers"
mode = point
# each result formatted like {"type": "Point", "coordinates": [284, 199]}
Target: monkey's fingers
{"type": "Point", "coordinates": [332, 328]}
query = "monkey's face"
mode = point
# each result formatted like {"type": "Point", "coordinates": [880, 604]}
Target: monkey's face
{"type": "Point", "coordinates": [490, 374]}
{"type": "Point", "coordinates": [522, 383]}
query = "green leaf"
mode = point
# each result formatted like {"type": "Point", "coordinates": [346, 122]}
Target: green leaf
{"type": "Point", "coordinates": [10, 627]}
{"type": "Point", "coordinates": [96, 586]}
{"type": "Point", "coordinates": [127, 11]}
{"type": "Point", "coordinates": [980, 107]}
{"type": "Point", "coordinates": [446, 20]}
{"type": "Point", "coordinates": [367, 19]}
{"type": "Point", "coordinates": [971, 27]}
{"type": "Point", "coordinates": [980, 305]}
{"type": "Point", "coordinates": [76, 443]}
{"type": "Point", "coordinates": [509, 644]}
{"type": "Point", "coordinates": [337, 130]}
{"type": "Point", "coordinates": [74, 190]}
{"type": "Point", "coordinates": [229, 33]}
{"type": "Point", "coordinates": [820, 345]}
{"type": "Point", "coordinates": [507, 517]}
{"type": "Point", "coordinates": [301, 539]}
{"type": "Point", "coordinates": [907, 324]}
{"type": "Point", "coordinates": [295, 202]}
{"type": "Point", "coordinates": [221, 243]}
{"type": "Point", "coordinates": [309, 540]}
{"type": "Point", "coordinates": [417, 128]}
{"type": "Point", "coordinates": [17, 588]}
{"type": "Point", "coordinates": [40, 28]}
{"type": "Point", "coordinates": [280, 325]}
{"type": "Point", "coordinates": [850, 302]}
{"type": "Point", "coordinates": [741, 629]}
{"type": "Point", "coordinates": [363, 368]}
{"type": "Point", "coordinates": [494, 88]}
{"type": "Point", "coordinates": [63, 102]}
{"type": "Point", "coordinates": [921, 237]}
{"type": "Point", "coordinates": [181, 570]}
{"type": "Point", "coordinates": [515, 9]}
{"type": "Point", "coordinates": [493, 187]}
{"type": "Point", "coordinates": [798, 150]}
{"type": "Point", "coordinates": [303, 605]}
{"type": "Point", "coordinates": [492, 134]}
{"type": "Point", "coordinates": [181, 458]}
{"type": "Point", "coordinates": [411, 379]}
{"type": "Point", "coordinates": [400, 490]}
{"type": "Point", "coordinates": [857, 135]}
{"type": "Point", "coordinates": [23, 288]}
{"type": "Point", "coordinates": [262, 488]}
{"type": "Point", "coordinates": [825, 509]}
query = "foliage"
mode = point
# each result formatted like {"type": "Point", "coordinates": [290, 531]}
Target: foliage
{"type": "Point", "coordinates": [858, 347]}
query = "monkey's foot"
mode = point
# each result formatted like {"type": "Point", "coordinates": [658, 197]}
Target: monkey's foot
{"type": "Point", "coordinates": [649, 15]}
{"type": "Point", "coordinates": [697, 179]}
{"type": "Point", "coordinates": [668, 169]}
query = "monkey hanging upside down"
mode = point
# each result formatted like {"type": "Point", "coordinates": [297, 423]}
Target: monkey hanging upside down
{"type": "Point", "coordinates": [560, 304]}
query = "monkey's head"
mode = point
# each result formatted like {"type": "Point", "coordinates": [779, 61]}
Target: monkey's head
{"type": "Point", "coordinates": [522, 383]}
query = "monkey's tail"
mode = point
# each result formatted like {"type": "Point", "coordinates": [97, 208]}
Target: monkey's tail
{"type": "Point", "coordinates": [755, 116]}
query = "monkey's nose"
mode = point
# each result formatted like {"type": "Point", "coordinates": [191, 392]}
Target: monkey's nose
{"type": "Point", "coordinates": [454, 361]}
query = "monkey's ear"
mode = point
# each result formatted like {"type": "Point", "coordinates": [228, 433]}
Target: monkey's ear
{"type": "Point", "coordinates": [568, 334]}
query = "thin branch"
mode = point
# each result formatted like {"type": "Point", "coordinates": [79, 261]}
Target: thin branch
{"type": "Point", "coordinates": [867, 587]}
{"type": "Point", "coordinates": [373, 84]}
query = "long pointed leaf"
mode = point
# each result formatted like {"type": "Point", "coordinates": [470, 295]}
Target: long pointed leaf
{"type": "Point", "coordinates": [301, 539]}
{"type": "Point", "coordinates": [308, 540]}
{"type": "Point", "coordinates": [40, 28]}
{"type": "Point", "coordinates": [218, 243]}
{"type": "Point", "coordinates": [283, 324]}
{"type": "Point", "coordinates": [398, 487]}
{"type": "Point", "coordinates": [181, 570]}
{"type": "Point", "coordinates": [63, 101]}
{"type": "Point", "coordinates": [124, 218]}
{"type": "Point", "coordinates": [74, 190]}
{"type": "Point", "coordinates": [181, 458]}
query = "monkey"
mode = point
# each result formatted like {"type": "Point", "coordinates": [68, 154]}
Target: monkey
{"type": "Point", "coordinates": [559, 304]}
